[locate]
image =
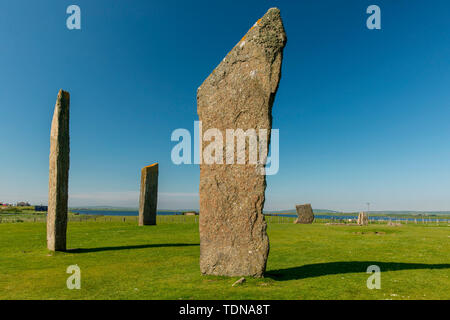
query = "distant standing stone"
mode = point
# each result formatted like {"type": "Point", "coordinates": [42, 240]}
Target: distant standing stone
{"type": "Point", "coordinates": [149, 195]}
{"type": "Point", "coordinates": [239, 94]}
{"type": "Point", "coordinates": [305, 214]}
{"type": "Point", "coordinates": [363, 219]}
{"type": "Point", "coordinates": [59, 174]}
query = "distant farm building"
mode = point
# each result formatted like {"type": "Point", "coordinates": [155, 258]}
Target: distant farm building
{"type": "Point", "coordinates": [191, 213]}
{"type": "Point", "coordinates": [22, 204]}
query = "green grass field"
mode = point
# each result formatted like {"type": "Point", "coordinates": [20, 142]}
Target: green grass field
{"type": "Point", "coordinates": [120, 260]}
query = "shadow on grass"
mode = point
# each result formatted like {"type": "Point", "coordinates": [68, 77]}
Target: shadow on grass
{"type": "Point", "coordinates": [143, 246]}
{"type": "Point", "coordinates": [331, 268]}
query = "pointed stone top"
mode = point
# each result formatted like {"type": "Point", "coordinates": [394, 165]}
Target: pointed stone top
{"type": "Point", "coordinates": [264, 42]}
{"type": "Point", "coordinates": [267, 32]}
{"type": "Point", "coordinates": [60, 121]}
{"type": "Point", "coordinates": [151, 167]}
{"type": "Point", "coordinates": [63, 94]}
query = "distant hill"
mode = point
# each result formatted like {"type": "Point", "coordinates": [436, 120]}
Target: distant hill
{"type": "Point", "coordinates": [415, 213]}
{"type": "Point", "coordinates": [111, 208]}
{"type": "Point", "coordinates": [293, 210]}
{"type": "Point", "coordinates": [386, 212]}
{"type": "Point", "coordinates": [104, 208]}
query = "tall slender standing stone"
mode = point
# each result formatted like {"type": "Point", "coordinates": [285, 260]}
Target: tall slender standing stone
{"type": "Point", "coordinates": [363, 219]}
{"type": "Point", "coordinates": [305, 214]}
{"type": "Point", "coordinates": [59, 174]}
{"type": "Point", "coordinates": [239, 94]}
{"type": "Point", "coordinates": [149, 195]}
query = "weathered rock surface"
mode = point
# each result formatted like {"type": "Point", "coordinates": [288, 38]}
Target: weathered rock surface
{"type": "Point", "coordinates": [305, 214]}
{"type": "Point", "coordinates": [58, 192]}
{"type": "Point", "coordinates": [239, 94]}
{"type": "Point", "coordinates": [149, 195]}
{"type": "Point", "coordinates": [363, 219]}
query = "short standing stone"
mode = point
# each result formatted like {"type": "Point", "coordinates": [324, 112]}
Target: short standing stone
{"type": "Point", "coordinates": [363, 219]}
{"type": "Point", "coordinates": [59, 174]}
{"type": "Point", "coordinates": [239, 94]}
{"type": "Point", "coordinates": [305, 214]}
{"type": "Point", "coordinates": [149, 195]}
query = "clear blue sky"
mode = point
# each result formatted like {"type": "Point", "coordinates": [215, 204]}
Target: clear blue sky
{"type": "Point", "coordinates": [363, 114]}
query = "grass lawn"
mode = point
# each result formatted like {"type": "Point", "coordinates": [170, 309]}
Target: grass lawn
{"type": "Point", "coordinates": [120, 260]}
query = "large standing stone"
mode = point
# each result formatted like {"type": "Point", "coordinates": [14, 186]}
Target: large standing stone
{"type": "Point", "coordinates": [363, 219]}
{"type": "Point", "coordinates": [305, 214]}
{"type": "Point", "coordinates": [149, 195]}
{"type": "Point", "coordinates": [59, 174]}
{"type": "Point", "coordinates": [239, 94]}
